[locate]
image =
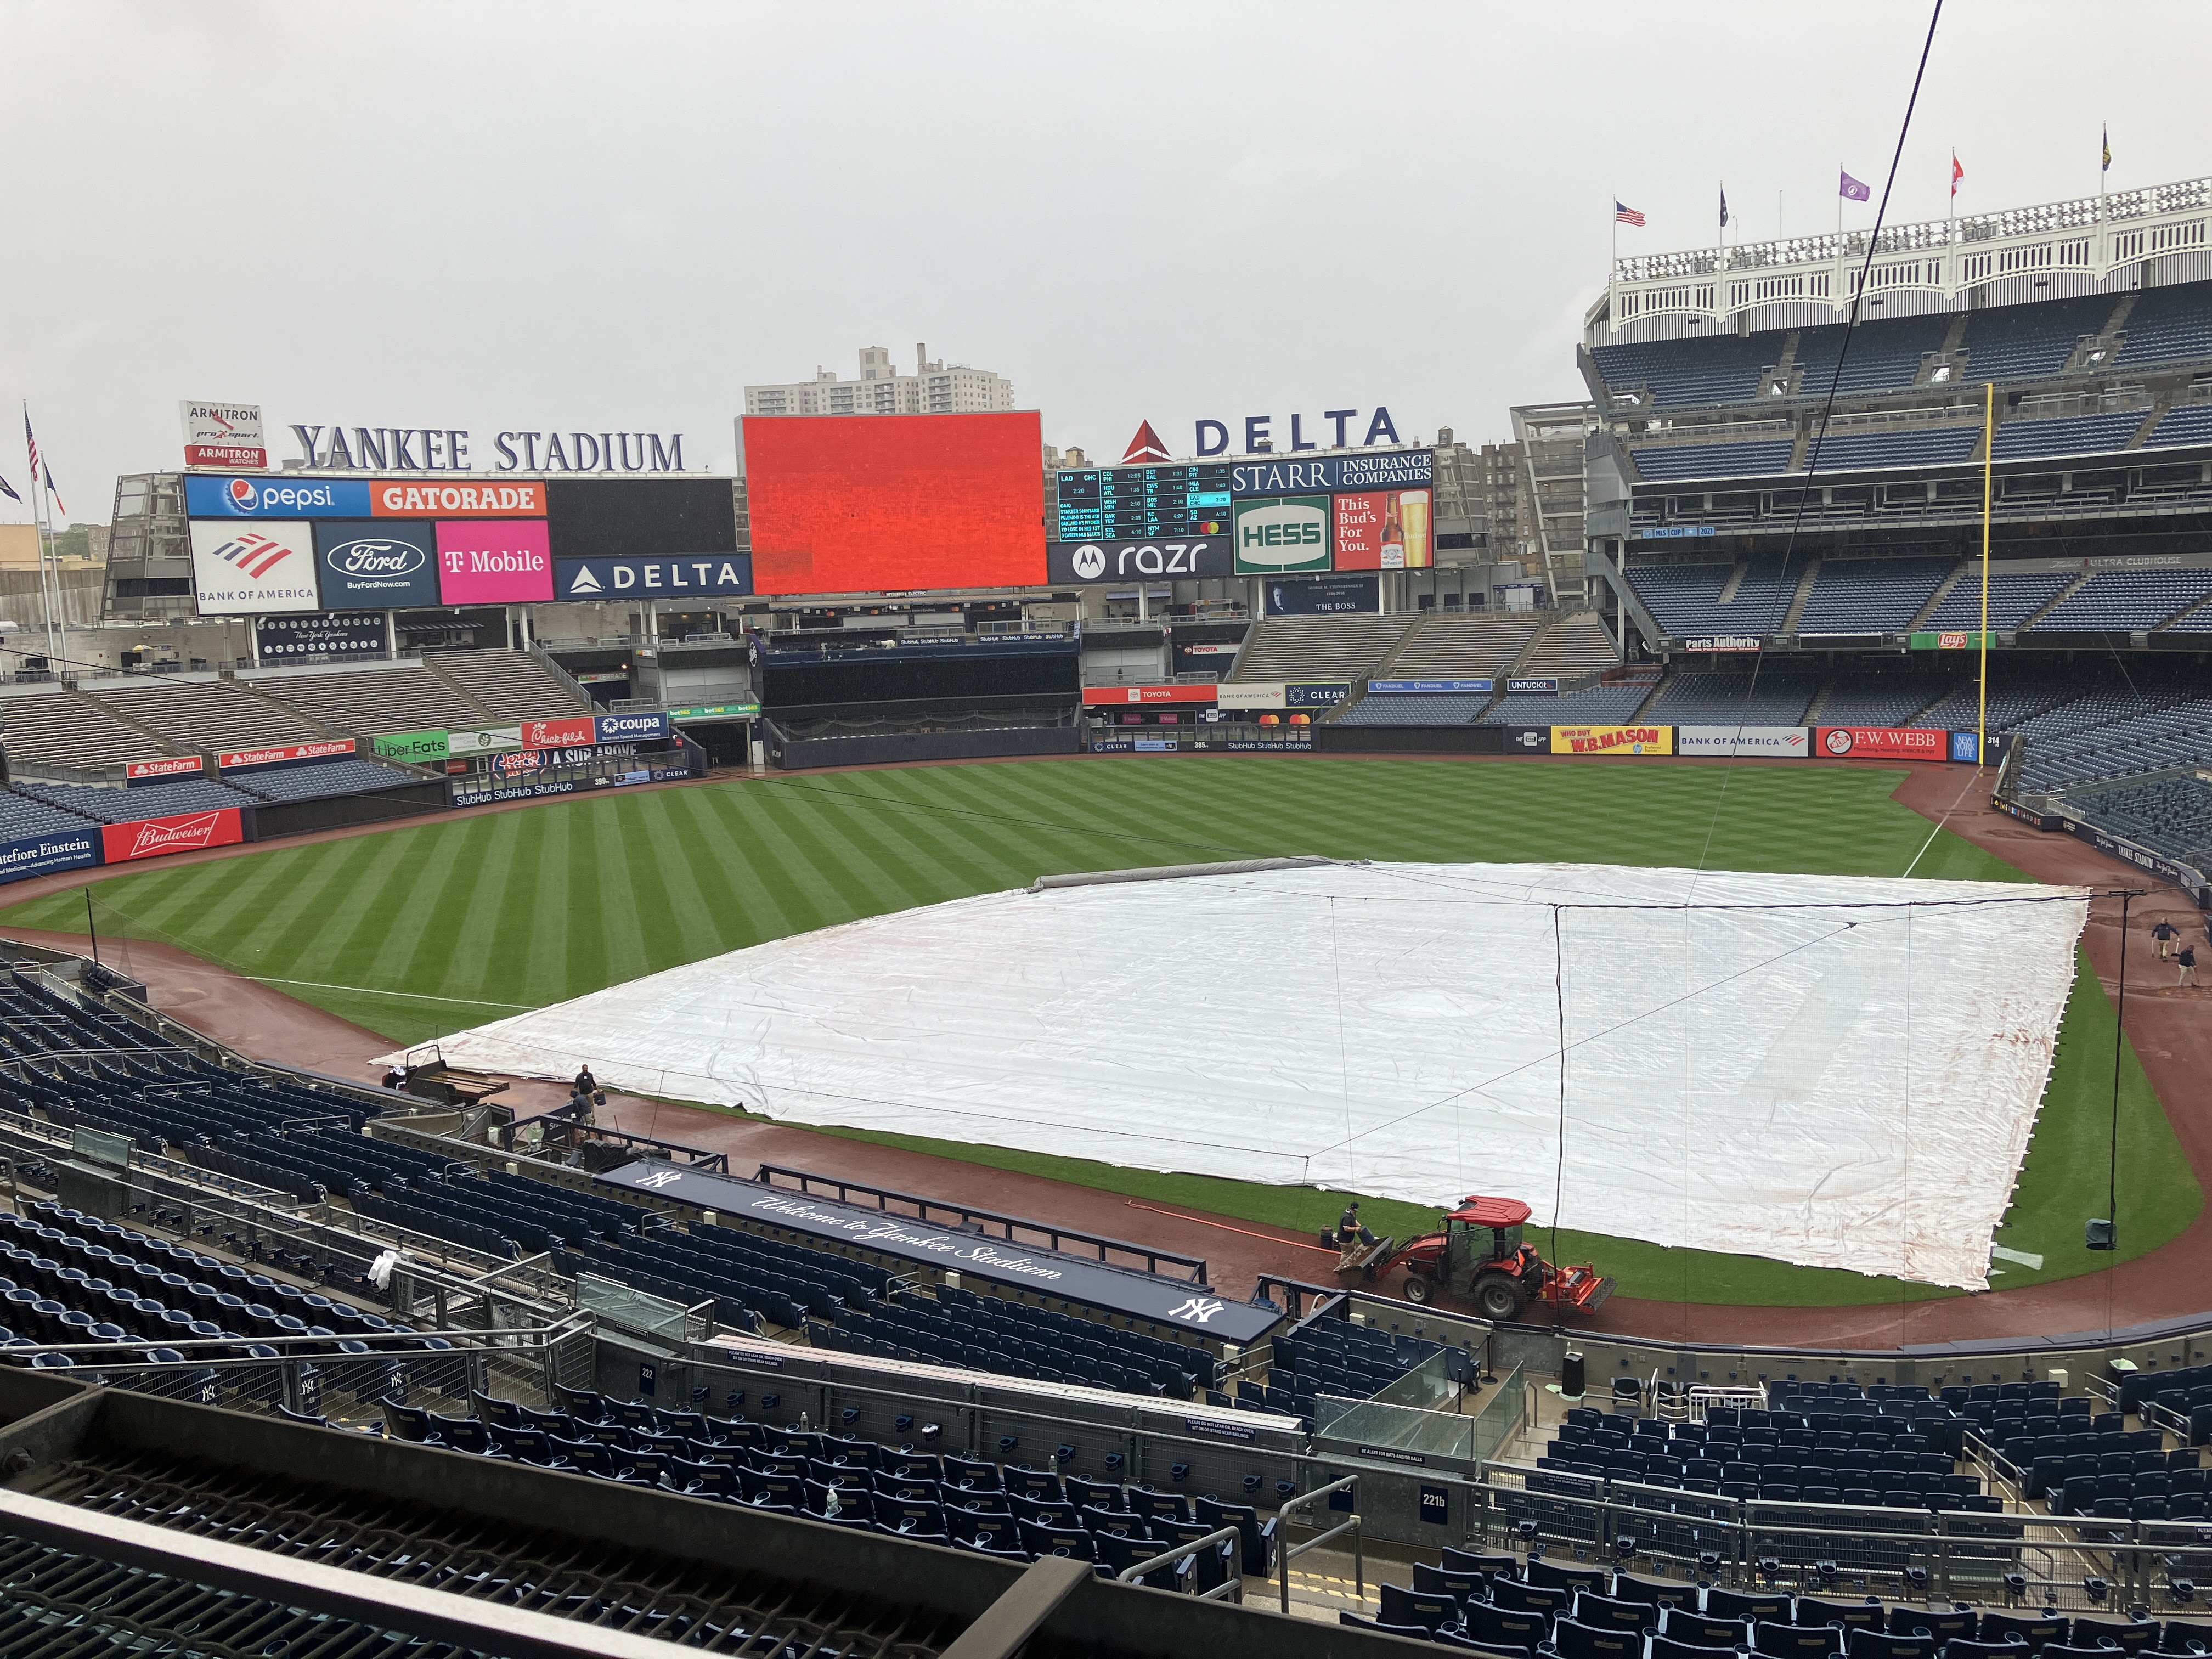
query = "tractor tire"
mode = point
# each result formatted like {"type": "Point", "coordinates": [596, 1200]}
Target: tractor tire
{"type": "Point", "coordinates": [1419, 1289]}
{"type": "Point", "coordinates": [1499, 1297]}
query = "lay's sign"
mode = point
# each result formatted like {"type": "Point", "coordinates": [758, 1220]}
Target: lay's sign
{"type": "Point", "coordinates": [1613, 739]}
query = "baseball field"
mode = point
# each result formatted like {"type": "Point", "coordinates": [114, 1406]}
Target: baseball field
{"type": "Point", "coordinates": [419, 931]}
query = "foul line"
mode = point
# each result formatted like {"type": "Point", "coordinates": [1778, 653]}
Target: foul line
{"type": "Point", "coordinates": [1296, 1245]}
{"type": "Point", "coordinates": [371, 991]}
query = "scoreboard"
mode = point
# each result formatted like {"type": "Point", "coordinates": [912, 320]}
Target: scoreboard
{"type": "Point", "coordinates": [1109, 503]}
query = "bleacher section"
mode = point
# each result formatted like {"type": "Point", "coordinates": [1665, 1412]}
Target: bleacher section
{"type": "Point", "coordinates": [319, 779]}
{"type": "Point", "coordinates": [1568, 648]}
{"type": "Point", "coordinates": [389, 697]}
{"type": "Point", "coordinates": [2176, 732]}
{"type": "Point", "coordinates": [2031, 342]}
{"type": "Point", "coordinates": [2190, 424]}
{"type": "Point", "coordinates": [1686, 599]}
{"type": "Point", "coordinates": [1415, 708]}
{"type": "Point", "coordinates": [1885, 356]}
{"type": "Point", "coordinates": [1723, 369]}
{"type": "Point", "coordinates": [1465, 647]}
{"type": "Point", "coordinates": [1880, 700]}
{"type": "Point", "coordinates": [1924, 445]}
{"type": "Point", "coordinates": [1011, 1511]}
{"type": "Point", "coordinates": [1778, 697]}
{"type": "Point", "coordinates": [23, 817]}
{"type": "Point", "coordinates": [513, 684]}
{"type": "Point", "coordinates": [1724, 460]}
{"type": "Point", "coordinates": [2172, 816]}
{"type": "Point", "coordinates": [1870, 596]}
{"type": "Point", "coordinates": [153, 800]}
{"type": "Point", "coordinates": [2080, 434]}
{"type": "Point", "coordinates": [1599, 706]}
{"type": "Point", "coordinates": [1319, 647]}
{"type": "Point", "coordinates": [67, 1279]}
{"type": "Point", "coordinates": [199, 715]}
{"type": "Point", "coordinates": [61, 729]}
{"type": "Point", "coordinates": [2008, 705]}
{"type": "Point", "coordinates": [2169, 325]}
{"type": "Point", "coordinates": [2013, 600]}
{"type": "Point", "coordinates": [2119, 601]}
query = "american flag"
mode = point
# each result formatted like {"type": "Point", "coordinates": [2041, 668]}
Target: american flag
{"type": "Point", "coordinates": [31, 443]}
{"type": "Point", "coordinates": [1626, 215]}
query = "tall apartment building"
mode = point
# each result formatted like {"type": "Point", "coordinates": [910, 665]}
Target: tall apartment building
{"type": "Point", "coordinates": [1527, 495]}
{"type": "Point", "coordinates": [932, 389]}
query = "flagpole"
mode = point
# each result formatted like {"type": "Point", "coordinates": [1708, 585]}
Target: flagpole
{"type": "Point", "coordinates": [1839, 201]}
{"type": "Point", "coordinates": [41, 520]}
{"type": "Point", "coordinates": [1989, 444]}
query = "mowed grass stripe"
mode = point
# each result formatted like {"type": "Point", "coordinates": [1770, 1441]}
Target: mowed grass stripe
{"type": "Point", "coordinates": [504, 907]}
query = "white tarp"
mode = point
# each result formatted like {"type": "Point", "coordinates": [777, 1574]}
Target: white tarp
{"type": "Point", "coordinates": [1837, 1071]}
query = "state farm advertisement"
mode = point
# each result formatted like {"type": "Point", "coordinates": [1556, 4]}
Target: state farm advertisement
{"type": "Point", "coordinates": [152, 838]}
{"type": "Point", "coordinates": [153, 771]}
{"type": "Point", "coordinates": [493, 562]}
{"type": "Point", "coordinates": [290, 754]}
{"type": "Point", "coordinates": [1884, 741]}
{"type": "Point", "coordinates": [1383, 530]}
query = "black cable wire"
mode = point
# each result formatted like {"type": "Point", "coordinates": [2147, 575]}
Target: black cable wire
{"type": "Point", "coordinates": [1835, 382]}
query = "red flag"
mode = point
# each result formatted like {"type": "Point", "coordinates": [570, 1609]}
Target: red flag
{"type": "Point", "coordinates": [1957, 173]}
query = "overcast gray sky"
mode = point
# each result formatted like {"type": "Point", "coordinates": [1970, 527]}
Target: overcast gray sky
{"type": "Point", "coordinates": [616, 216]}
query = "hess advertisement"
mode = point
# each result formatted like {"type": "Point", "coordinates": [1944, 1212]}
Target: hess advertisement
{"type": "Point", "coordinates": [1276, 538]}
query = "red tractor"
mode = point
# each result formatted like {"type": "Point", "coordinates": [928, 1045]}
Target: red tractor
{"type": "Point", "coordinates": [1478, 1256]}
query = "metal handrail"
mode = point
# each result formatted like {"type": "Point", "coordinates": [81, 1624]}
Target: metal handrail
{"type": "Point", "coordinates": [1231, 1587]}
{"type": "Point", "coordinates": [1287, 1551]}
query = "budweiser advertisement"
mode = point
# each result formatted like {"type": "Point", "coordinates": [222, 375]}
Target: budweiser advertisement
{"type": "Point", "coordinates": [153, 838]}
{"type": "Point", "coordinates": [1883, 742]}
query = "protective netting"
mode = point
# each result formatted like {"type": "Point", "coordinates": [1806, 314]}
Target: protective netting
{"type": "Point", "coordinates": [1834, 1071]}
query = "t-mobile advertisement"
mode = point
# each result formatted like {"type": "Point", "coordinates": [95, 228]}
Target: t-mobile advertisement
{"type": "Point", "coordinates": [493, 562]}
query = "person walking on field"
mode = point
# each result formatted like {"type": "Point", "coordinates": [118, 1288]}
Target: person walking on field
{"type": "Point", "coordinates": [2165, 933]}
{"type": "Point", "coordinates": [2187, 958]}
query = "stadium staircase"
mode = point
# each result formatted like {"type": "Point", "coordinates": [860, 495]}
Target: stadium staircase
{"type": "Point", "coordinates": [1942, 592]}
{"type": "Point", "coordinates": [1801, 599]}
{"type": "Point", "coordinates": [454, 684]}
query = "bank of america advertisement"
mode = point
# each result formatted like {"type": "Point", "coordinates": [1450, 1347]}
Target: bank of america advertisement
{"type": "Point", "coordinates": [254, 568]}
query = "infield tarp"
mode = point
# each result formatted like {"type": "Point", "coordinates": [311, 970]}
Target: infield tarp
{"type": "Point", "coordinates": [1834, 1071]}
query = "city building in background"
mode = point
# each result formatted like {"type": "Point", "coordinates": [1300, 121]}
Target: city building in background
{"type": "Point", "coordinates": [934, 388]}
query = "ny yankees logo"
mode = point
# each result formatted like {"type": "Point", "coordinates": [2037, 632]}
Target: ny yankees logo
{"type": "Point", "coordinates": [1198, 1310]}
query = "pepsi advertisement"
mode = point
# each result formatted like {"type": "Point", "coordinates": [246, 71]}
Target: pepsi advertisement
{"type": "Point", "coordinates": [275, 498]}
{"type": "Point", "coordinates": [376, 564]}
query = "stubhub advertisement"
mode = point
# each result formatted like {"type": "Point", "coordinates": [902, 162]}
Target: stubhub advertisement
{"type": "Point", "coordinates": [493, 562]}
{"type": "Point", "coordinates": [275, 498]}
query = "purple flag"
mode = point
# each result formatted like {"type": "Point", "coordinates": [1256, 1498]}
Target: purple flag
{"type": "Point", "coordinates": [1851, 189]}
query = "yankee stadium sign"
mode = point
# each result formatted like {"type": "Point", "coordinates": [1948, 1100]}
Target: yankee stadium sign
{"type": "Point", "coordinates": [446, 449]}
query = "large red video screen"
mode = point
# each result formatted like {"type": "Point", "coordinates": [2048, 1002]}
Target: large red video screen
{"type": "Point", "coordinates": [865, 503]}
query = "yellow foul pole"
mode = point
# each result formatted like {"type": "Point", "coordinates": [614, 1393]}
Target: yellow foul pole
{"type": "Point", "coordinates": [1989, 443]}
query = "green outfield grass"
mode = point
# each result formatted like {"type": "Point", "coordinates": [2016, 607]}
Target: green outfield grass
{"type": "Point", "coordinates": [416, 931]}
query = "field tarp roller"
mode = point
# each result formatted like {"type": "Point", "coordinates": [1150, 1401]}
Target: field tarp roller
{"type": "Point", "coordinates": [1832, 1071]}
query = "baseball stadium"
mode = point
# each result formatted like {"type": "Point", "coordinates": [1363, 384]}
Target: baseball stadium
{"type": "Point", "coordinates": [903, 1052]}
